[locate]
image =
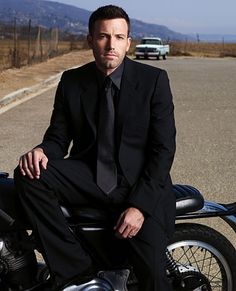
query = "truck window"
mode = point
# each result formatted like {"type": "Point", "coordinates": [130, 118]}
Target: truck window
{"type": "Point", "coordinates": [151, 41]}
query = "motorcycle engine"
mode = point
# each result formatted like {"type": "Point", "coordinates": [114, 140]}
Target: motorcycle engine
{"type": "Point", "coordinates": [18, 265]}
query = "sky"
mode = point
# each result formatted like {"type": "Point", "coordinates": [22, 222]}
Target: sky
{"type": "Point", "coordinates": [184, 16]}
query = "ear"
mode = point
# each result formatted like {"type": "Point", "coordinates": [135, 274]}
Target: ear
{"type": "Point", "coordinates": [89, 41]}
{"type": "Point", "coordinates": [128, 43]}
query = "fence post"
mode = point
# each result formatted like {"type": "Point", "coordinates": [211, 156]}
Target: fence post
{"type": "Point", "coordinates": [223, 47]}
{"type": "Point", "coordinates": [29, 42]}
{"type": "Point", "coordinates": [14, 56]}
{"type": "Point", "coordinates": [53, 49]}
{"type": "Point", "coordinates": [41, 43]}
{"type": "Point", "coordinates": [185, 45]}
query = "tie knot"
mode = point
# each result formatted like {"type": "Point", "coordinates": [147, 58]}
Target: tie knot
{"type": "Point", "coordinates": [107, 83]}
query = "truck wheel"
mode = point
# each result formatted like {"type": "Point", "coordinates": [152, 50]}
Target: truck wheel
{"type": "Point", "coordinates": [164, 57]}
{"type": "Point", "coordinates": [137, 57]}
{"type": "Point", "coordinates": [158, 58]}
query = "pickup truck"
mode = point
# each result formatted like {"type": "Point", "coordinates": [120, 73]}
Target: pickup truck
{"type": "Point", "coordinates": [151, 47]}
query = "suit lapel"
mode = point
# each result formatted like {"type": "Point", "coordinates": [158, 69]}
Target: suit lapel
{"type": "Point", "coordinates": [128, 92]}
{"type": "Point", "coordinates": [89, 98]}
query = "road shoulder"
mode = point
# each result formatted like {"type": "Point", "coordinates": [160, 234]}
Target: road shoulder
{"type": "Point", "coordinates": [18, 85]}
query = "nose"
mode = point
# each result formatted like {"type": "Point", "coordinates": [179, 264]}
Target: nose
{"type": "Point", "coordinates": [111, 43]}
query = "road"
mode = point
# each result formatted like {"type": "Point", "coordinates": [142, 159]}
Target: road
{"type": "Point", "coordinates": [205, 108]}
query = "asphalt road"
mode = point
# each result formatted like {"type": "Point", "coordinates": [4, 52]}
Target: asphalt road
{"type": "Point", "coordinates": [205, 108]}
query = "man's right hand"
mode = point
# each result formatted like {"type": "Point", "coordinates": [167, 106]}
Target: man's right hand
{"type": "Point", "coordinates": [30, 163]}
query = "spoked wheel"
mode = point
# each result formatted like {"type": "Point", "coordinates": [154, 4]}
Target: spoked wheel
{"type": "Point", "coordinates": [205, 258]}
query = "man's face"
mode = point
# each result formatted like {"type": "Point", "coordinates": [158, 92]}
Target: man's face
{"type": "Point", "coordinates": [109, 42]}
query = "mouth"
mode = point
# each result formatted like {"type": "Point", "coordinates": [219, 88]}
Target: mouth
{"type": "Point", "coordinates": [110, 55]}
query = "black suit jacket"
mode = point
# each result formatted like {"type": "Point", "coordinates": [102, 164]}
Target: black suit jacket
{"type": "Point", "coordinates": [145, 129]}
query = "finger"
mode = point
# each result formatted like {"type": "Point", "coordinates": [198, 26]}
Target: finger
{"type": "Point", "coordinates": [44, 162]}
{"type": "Point", "coordinates": [124, 228]}
{"type": "Point", "coordinates": [121, 227]}
{"type": "Point", "coordinates": [129, 233]}
{"type": "Point", "coordinates": [35, 165]}
{"type": "Point", "coordinates": [21, 167]}
{"type": "Point", "coordinates": [29, 158]}
{"type": "Point", "coordinates": [26, 168]}
{"type": "Point", "coordinates": [134, 232]}
{"type": "Point", "coordinates": [124, 232]}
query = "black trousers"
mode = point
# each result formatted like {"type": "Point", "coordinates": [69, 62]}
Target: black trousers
{"type": "Point", "coordinates": [72, 182]}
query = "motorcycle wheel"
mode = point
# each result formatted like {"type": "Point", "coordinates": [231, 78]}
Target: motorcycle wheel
{"type": "Point", "coordinates": [201, 250]}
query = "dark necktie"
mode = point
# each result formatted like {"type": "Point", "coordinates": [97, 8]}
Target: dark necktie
{"type": "Point", "coordinates": [106, 166]}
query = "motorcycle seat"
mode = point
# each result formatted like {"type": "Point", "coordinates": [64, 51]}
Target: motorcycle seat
{"type": "Point", "coordinates": [188, 199]}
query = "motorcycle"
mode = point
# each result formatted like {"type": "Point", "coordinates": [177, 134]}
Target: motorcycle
{"type": "Point", "coordinates": [198, 258]}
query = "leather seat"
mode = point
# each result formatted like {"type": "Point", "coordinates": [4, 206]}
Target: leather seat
{"type": "Point", "coordinates": [188, 199]}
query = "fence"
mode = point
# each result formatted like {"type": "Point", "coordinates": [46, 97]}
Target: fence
{"type": "Point", "coordinates": [25, 45]}
{"type": "Point", "coordinates": [203, 49]}
{"type": "Point", "coordinates": [197, 48]}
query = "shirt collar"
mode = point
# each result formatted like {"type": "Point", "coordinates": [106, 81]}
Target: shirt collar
{"type": "Point", "coordinates": [115, 76]}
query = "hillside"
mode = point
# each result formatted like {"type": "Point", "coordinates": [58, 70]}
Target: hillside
{"type": "Point", "coordinates": [69, 18]}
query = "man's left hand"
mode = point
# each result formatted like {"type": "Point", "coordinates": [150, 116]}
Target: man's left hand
{"type": "Point", "coordinates": [129, 223]}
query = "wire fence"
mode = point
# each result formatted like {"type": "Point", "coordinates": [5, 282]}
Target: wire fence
{"type": "Point", "coordinates": [22, 45]}
{"type": "Point", "coordinates": [26, 45]}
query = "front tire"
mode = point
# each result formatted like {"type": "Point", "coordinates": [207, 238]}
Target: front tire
{"type": "Point", "coordinates": [205, 251]}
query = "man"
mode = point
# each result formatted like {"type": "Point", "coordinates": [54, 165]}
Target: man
{"type": "Point", "coordinates": [121, 156]}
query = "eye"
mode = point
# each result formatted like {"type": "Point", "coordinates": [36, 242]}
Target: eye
{"type": "Point", "coordinates": [120, 37]}
{"type": "Point", "coordinates": [101, 36]}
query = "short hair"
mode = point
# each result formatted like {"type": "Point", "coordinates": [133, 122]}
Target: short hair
{"type": "Point", "coordinates": [107, 12]}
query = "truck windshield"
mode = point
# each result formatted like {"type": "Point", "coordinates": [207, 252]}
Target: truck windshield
{"type": "Point", "coordinates": [150, 41]}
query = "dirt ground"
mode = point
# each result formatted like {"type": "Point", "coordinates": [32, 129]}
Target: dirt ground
{"type": "Point", "coordinates": [14, 79]}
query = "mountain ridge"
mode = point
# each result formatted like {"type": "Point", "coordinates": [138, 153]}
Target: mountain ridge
{"type": "Point", "coordinates": [71, 19]}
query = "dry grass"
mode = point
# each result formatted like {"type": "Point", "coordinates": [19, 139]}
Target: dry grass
{"type": "Point", "coordinates": [201, 49]}
{"type": "Point", "coordinates": [21, 55]}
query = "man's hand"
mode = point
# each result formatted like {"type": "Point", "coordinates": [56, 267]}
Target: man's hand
{"type": "Point", "coordinates": [129, 223]}
{"type": "Point", "coordinates": [31, 162]}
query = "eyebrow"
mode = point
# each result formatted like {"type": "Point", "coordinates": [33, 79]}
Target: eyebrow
{"type": "Point", "coordinates": [106, 33]}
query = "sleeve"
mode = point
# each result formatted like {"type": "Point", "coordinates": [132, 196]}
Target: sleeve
{"type": "Point", "coordinates": [57, 138]}
{"type": "Point", "coordinates": [149, 188]}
